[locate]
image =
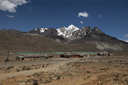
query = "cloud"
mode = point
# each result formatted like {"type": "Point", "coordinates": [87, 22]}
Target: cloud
{"type": "Point", "coordinates": [100, 15]}
{"type": "Point", "coordinates": [30, 8]}
{"type": "Point", "coordinates": [11, 5]}
{"type": "Point", "coordinates": [81, 22]}
{"type": "Point", "coordinates": [10, 16]}
{"type": "Point", "coordinates": [126, 35]}
{"type": "Point", "coordinates": [83, 14]}
{"type": "Point", "coordinates": [126, 40]}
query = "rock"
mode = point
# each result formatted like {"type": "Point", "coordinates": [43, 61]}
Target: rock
{"type": "Point", "coordinates": [36, 74]}
{"type": "Point", "coordinates": [115, 84]}
{"type": "Point", "coordinates": [25, 68]}
{"type": "Point", "coordinates": [74, 73]}
{"type": "Point", "coordinates": [35, 83]}
{"type": "Point", "coordinates": [21, 80]}
{"type": "Point", "coordinates": [23, 83]}
{"type": "Point", "coordinates": [10, 67]}
{"type": "Point", "coordinates": [88, 71]}
{"type": "Point", "coordinates": [54, 78]}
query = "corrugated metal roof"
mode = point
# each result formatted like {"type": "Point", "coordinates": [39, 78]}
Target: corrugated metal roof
{"type": "Point", "coordinates": [21, 56]}
{"type": "Point", "coordinates": [91, 53]}
{"type": "Point", "coordinates": [34, 55]}
{"type": "Point", "coordinates": [71, 53]}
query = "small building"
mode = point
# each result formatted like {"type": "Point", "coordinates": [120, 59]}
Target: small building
{"type": "Point", "coordinates": [104, 53]}
{"type": "Point", "coordinates": [71, 55]}
{"type": "Point", "coordinates": [20, 58]}
{"type": "Point", "coordinates": [86, 55]}
{"type": "Point", "coordinates": [30, 57]}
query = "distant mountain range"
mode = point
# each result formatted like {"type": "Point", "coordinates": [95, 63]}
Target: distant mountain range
{"type": "Point", "coordinates": [69, 38]}
{"type": "Point", "coordinates": [71, 32]}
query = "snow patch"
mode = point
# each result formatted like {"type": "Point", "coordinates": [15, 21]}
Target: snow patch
{"type": "Point", "coordinates": [67, 32]}
{"type": "Point", "coordinates": [60, 33]}
{"type": "Point", "coordinates": [35, 29]}
{"type": "Point", "coordinates": [43, 29]}
{"type": "Point", "coordinates": [70, 27]}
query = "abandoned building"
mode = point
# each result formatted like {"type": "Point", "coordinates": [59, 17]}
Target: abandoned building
{"type": "Point", "coordinates": [86, 55]}
{"type": "Point", "coordinates": [29, 57]}
{"type": "Point", "coordinates": [73, 55]}
{"type": "Point", "coordinates": [104, 53]}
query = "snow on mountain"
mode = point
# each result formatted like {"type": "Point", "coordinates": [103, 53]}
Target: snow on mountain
{"type": "Point", "coordinates": [67, 32]}
{"type": "Point", "coordinates": [72, 27]}
{"type": "Point", "coordinates": [43, 29]}
{"type": "Point", "coordinates": [71, 32]}
{"type": "Point", "coordinates": [35, 29]}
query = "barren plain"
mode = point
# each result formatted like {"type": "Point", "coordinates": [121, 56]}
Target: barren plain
{"type": "Point", "coordinates": [93, 70]}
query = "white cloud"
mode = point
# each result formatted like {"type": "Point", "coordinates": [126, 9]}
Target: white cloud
{"type": "Point", "coordinates": [83, 14]}
{"type": "Point", "coordinates": [18, 2]}
{"type": "Point", "coordinates": [10, 16]}
{"type": "Point", "coordinates": [30, 8]}
{"type": "Point", "coordinates": [11, 5]}
{"type": "Point", "coordinates": [100, 15]}
{"type": "Point", "coordinates": [81, 22]}
{"type": "Point", "coordinates": [126, 40]}
{"type": "Point", "coordinates": [126, 35]}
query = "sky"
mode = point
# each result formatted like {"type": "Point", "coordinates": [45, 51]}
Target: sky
{"type": "Point", "coordinates": [110, 16]}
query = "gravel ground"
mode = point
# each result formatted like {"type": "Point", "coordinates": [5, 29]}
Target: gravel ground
{"type": "Point", "coordinates": [96, 70]}
{"type": "Point", "coordinates": [56, 63]}
{"type": "Point", "coordinates": [35, 62]}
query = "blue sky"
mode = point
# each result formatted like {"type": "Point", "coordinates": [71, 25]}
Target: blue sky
{"type": "Point", "coordinates": [109, 16]}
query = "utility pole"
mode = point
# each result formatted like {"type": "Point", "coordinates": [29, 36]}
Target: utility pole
{"type": "Point", "coordinates": [7, 57]}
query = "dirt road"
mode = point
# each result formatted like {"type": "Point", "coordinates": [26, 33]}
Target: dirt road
{"type": "Point", "coordinates": [57, 62]}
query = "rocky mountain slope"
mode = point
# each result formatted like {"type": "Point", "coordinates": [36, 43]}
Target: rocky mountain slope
{"type": "Point", "coordinates": [12, 31]}
{"type": "Point", "coordinates": [26, 43]}
{"type": "Point", "coordinates": [49, 32]}
{"type": "Point", "coordinates": [71, 38]}
{"type": "Point", "coordinates": [63, 33]}
{"type": "Point", "coordinates": [103, 41]}
{"type": "Point", "coordinates": [32, 42]}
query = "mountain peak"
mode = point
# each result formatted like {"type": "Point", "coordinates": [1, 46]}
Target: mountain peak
{"type": "Point", "coordinates": [70, 27]}
{"type": "Point", "coordinates": [97, 30]}
{"type": "Point", "coordinates": [43, 29]}
{"type": "Point", "coordinates": [67, 31]}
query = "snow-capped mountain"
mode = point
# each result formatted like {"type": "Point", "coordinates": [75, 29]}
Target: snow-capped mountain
{"type": "Point", "coordinates": [67, 32]}
{"type": "Point", "coordinates": [49, 32]}
{"type": "Point", "coordinates": [71, 32]}
{"type": "Point", "coordinates": [74, 38]}
{"type": "Point", "coordinates": [43, 29]}
{"type": "Point", "coordinates": [63, 31]}
{"type": "Point", "coordinates": [39, 30]}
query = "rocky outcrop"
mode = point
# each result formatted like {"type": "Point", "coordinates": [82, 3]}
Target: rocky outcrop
{"type": "Point", "coordinates": [103, 41]}
{"type": "Point", "coordinates": [49, 32]}
{"type": "Point", "coordinates": [81, 33]}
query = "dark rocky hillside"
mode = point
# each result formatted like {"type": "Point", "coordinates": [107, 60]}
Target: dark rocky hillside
{"type": "Point", "coordinates": [103, 41]}
{"type": "Point", "coordinates": [36, 43]}
{"type": "Point", "coordinates": [26, 43]}
{"type": "Point", "coordinates": [81, 33]}
{"type": "Point", "coordinates": [47, 40]}
{"type": "Point", "coordinates": [51, 33]}
{"type": "Point", "coordinates": [12, 31]}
